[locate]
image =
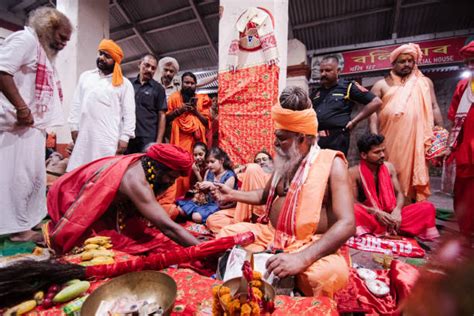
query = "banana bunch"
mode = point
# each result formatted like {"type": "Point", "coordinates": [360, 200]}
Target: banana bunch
{"type": "Point", "coordinates": [95, 251]}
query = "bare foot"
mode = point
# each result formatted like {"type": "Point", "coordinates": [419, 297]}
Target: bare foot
{"type": "Point", "coordinates": [28, 235]}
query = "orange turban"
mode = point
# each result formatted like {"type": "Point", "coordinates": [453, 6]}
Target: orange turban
{"type": "Point", "coordinates": [468, 50]}
{"type": "Point", "coordinates": [304, 122]}
{"type": "Point", "coordinates": [412, 49]}
{"type": "Point", "coordinates": [111, 48]}
{"type": "Point", "coordinates": [171, 156]}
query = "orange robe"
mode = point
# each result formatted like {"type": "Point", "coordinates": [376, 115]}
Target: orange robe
{"type": "Point", "coordinates": [167, 201]}
{"type": "Point", "coordinates": [406, 121]}
{"type": "Point", "coordinates": [329, 273]}
{"type": "Point", "coordinates": [187, 129]}
{"type": "Point", "coordinates": [253, 178]}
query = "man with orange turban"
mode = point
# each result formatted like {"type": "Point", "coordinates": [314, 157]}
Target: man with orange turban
{"type": "Point", "coordinates": [461, 142]}
{"type": "Point", "coordinates": [300, 219]}
{"type": "Point", "coordinates": [406, 120]}
{"type": "Point", "coordinates": [112, 196]}
{"type": "Point", "coordinates": [102, 115]}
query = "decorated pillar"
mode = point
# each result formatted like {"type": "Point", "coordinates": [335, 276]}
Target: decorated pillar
{"type": "Point", "coordinates": [252, 71]}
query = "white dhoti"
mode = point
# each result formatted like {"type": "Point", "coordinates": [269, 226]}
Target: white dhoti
{"type": "Point", "coordinates": [23, 179]}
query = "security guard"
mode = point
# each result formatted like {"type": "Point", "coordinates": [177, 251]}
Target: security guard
{"type": "Point", "coordinates": [333, 104]}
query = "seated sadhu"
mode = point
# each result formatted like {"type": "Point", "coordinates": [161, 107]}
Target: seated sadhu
{"type": "Point", "coordinates": [379, 199]}
{"type": "Point", "coordinates": [116, 196]}
{"type": "Point", "coordinates": [309, 208]}
{"type": "Point", "coordinates": [253, 176]}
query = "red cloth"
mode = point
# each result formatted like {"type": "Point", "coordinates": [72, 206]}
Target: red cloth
{"type": "Point", "coordinates": [245, 101]}
{"type": "Point", "coordinates": [194, 297]}
{"type": "Point", "coordinates": [402, 246]}
{"type": "Point", "coordinates": [381, 194]}
{"type": "Point", "coordinates": [464, 157]}
{"type": "Point", "coordinates": [403, 277]}
{"type": "Point", "coordinates": [356, 297]}
{"type": "Point", "coordinates": [165, 259]}
{"type": "Point", "coordinates": [464, 152]}
{"type": "Point", "coordinates": [172, 156]}
{"type": "Point", "coordinates": [79, 198]}
{"type": "Point", "coordinates": [468, 50]}
{"type": "Point", "coordinates": [463, 204]}
{"type": "Point", "coordinates": [418, 219]}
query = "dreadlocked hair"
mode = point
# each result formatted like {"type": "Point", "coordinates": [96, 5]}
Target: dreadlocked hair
{"type": "Point", "coordinates": [20, 281]}
{"type": "Point", "coordinates": [152, 170]}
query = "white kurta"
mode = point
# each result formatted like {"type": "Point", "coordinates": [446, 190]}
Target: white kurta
{"type": "Point", "coordinates": [103, 115]}
{"type": "Point", "coordinates": [22, 150]}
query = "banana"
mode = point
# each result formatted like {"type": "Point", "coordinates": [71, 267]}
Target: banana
{"type": "Point", "coordinates": [86, 256]}
{"type": "Point", "coordinates": [21, 308]}
{"type": "Point", "coordinates": [99, 240]}
{"type": "Point", "coordinates": [91, 247]}
{"type": "Point", "coordinates": [107, 245]}
{"type": "Point", "coordinates": [39, 297]}
{"type": "Point", "coordinates": [71, 292]}
{"type": "Point", "coordinates": [102, 260]}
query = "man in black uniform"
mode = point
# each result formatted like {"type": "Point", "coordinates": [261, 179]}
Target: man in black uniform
{"type": "Point", "coordinates": [333, 104]}
{"type": "Point", "coordinates": [150, 107]}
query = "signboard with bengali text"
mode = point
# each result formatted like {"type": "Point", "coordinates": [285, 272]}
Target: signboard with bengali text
{"type": "Point", "coordinates": [435, 52]}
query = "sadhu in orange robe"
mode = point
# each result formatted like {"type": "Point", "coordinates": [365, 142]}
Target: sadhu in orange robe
{"type": "Point", "coordinates": [187, 129]}
{"type": "Point", "coordinates": [329, 273]}
{"type": "Point", "coordinates": [406, 121]}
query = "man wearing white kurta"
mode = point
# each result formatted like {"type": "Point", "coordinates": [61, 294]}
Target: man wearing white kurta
{"type": "Point", "coordinates": [30, 102]}
{"type": "Point", "coordinates": [102, 117]}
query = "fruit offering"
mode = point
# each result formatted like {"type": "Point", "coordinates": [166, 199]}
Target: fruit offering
{"type": "Point", "coordinates": [96, 251]}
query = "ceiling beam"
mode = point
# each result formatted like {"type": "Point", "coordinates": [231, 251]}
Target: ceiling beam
{"type": "Point", "coordinates": [396, 17]}
{"type": "Point", "coordinates": [21, 5]}
{"type": "Point", "coordinates": [361, 14]}
{"type": "Point", "coordinates": [168, 53]}
{"type": "Point", "coordinates": [340, 18]}
{"type": "Point", "coordinates": [135, 29]}
{"type": "Point", "coordinates": [171, 26]}
{"type": "Point", "coordinates": [203, 27]}
{"type": "Point", "coordinates": [152, 19]}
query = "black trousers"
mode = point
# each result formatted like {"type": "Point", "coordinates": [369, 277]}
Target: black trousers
{"type": "Point", "coordinates": [338, 140]}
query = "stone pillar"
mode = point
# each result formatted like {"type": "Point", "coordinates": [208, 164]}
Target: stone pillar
{"type": "Point", "coordinates": [298, 70]}
{"type": "Point", "coordinates": [90, 19]}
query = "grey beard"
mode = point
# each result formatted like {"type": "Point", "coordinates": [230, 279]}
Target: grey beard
{"type": "Point", "coordinates": [50, 52]}
{"type": "Point", "coordinates": [286, 163]}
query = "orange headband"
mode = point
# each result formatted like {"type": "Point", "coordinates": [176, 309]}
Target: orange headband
{"type": "Point", "coordinates": [111, 48]}
{"type": "Point", "coordinates": [304, 122]}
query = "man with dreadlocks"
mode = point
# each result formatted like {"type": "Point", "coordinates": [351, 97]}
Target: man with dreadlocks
{"type": "Point", "coordinates": [30, 102]}
{"type": "Point", "coordinates": [112, 196]}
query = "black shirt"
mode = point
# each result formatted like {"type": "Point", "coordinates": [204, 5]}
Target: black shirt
{"type": "Point", "coordinates": [150, 98]}
{"type": "Point", "coordinates": [334, 105]}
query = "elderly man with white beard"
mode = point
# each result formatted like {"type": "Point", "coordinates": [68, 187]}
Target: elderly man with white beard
{"type": "Point", "coordinates": [30, 103]}
{"type": "Point", "coordinates": [309, 209]}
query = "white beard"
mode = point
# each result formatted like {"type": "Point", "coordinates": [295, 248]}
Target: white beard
{"type": "Point", "coordinates": [286, 163]}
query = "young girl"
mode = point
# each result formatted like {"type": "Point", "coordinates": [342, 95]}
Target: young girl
{"type": "Point", "coordinates": [199, 165]}
{"type": "Point", "coordinates": [202, 205]}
